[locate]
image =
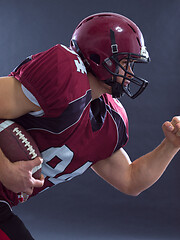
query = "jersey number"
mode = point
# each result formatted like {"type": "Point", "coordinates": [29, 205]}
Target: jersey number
{"type": "Point", "coordinates": [65, 156]}
{"type": "Point", "coordinates": [79, 63]}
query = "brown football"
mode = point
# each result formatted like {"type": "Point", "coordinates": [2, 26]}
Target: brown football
{"type": "Point", "coordinates": [18, 145]}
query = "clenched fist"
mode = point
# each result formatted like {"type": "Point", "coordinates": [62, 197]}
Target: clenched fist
{"type": "Point", "coordinates": [172, 131]}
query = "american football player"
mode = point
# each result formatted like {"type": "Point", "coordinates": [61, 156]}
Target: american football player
{"type": "Point", "coordinates": [67, 98]}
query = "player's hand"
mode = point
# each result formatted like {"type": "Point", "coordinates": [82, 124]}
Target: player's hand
{"type": "Point", "coordinates": [17, 176]}
{"type": "Point", "coordinates": [172, 131]}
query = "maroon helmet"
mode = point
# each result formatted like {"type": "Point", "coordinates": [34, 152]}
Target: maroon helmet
{"type": "Point", "coordinates": [102, 40]}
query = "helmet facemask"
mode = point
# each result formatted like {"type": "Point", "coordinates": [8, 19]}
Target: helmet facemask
{"type": "Point", "coordinates": [136, 86]}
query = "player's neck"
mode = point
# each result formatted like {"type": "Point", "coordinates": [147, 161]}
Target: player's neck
{"type": "Point", "coordinates": [97, 87]}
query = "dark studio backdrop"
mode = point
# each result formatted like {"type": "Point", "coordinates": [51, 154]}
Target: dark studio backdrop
{"type": "Point", "coordinates": [87, 207]}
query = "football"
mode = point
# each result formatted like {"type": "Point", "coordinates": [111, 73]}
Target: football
{"type": "Point", "coordinates": [18, 145]}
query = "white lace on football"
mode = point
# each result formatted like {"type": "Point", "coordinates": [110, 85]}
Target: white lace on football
{"type": "Point", "coordinates": [27, 144]}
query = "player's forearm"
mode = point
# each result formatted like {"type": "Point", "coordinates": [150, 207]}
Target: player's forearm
{"type": "Point", "coordinates": [3, 165]}
{"type": "Point", "coordinates": [146, 170]}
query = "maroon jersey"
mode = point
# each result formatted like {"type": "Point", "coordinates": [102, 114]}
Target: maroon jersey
{"type": "Point", "coordinates": [72, 131]}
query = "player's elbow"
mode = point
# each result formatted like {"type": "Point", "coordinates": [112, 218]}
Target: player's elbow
{"type": "Point", "coordinates": [133, 193]}
{"type": "Point", "coordinates": [130, 191]}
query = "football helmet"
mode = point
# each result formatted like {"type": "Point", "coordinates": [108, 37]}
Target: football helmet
{"type": "Point", "coordinates": [102, 40]}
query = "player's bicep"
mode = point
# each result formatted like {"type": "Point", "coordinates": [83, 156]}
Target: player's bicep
{"type": "Point", "coordinates": [13, 102]}
{"type": "Point", "coordinates": [115, 170]}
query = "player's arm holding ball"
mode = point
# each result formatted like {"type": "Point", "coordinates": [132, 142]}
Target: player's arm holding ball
{"type": "Point", "coordinates": [17, 176]}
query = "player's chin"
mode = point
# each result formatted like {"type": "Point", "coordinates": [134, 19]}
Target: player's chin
{"type": "Point", "coordinates": [107, 89]}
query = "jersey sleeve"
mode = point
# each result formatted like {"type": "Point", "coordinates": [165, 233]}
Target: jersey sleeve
{"type": "Point", "coordinates": [47, 76]}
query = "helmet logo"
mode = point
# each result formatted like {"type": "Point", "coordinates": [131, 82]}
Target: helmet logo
{"type": "Point", "coordinates": [119, 29]}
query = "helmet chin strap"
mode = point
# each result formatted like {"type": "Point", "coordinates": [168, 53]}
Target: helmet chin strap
{"type": "Point", "coordinates": [117, 88]}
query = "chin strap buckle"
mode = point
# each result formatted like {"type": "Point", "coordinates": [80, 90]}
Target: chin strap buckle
{"type": "Point", "coordinates": [114, 48]}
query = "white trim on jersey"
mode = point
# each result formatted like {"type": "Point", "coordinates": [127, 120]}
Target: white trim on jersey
{"type": "Point", "coordinates": [31, 97]}
{"type": "Point", "coordinates": [2, 201]}
{"type": "Point", "coordinates": [5, 124]}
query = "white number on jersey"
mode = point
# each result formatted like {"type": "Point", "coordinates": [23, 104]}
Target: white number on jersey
{"type": "Point", "coordinates": [65, 155]}
{"type": "Point", "coordinates": [79, 63]}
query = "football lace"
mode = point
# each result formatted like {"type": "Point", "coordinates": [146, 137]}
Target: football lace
{"type": "Point", "coordinates": [26, 143]}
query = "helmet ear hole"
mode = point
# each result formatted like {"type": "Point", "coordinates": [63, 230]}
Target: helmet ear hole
{"type": "Point", "coordinates": [95, 58]}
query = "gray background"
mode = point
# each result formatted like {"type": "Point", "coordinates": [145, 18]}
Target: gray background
{"type": "Point", "coordinates": [87, 207]}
